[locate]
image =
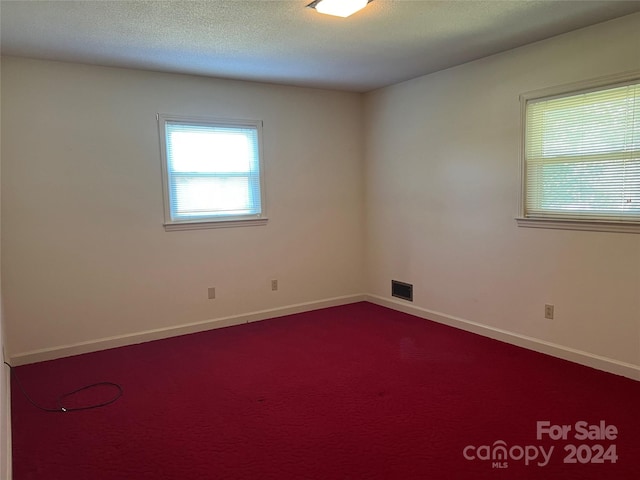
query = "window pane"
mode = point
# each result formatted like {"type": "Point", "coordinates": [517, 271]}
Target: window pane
{"type": "Point", "coordinates": [583, 124]}
{"type": "Point", "coordinates": [599, 187]}
{"type": "Point", "coordinates": [211, 149]}
{"type": "Point", "coordinates": [206, 196]}
{"type": "Point", "coordinates": [212, 170]}
{"type": "Point", "coordinates": [582, 155]}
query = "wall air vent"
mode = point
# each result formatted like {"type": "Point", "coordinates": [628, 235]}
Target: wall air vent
{"type": "Point", "coordinates": [402, 290]}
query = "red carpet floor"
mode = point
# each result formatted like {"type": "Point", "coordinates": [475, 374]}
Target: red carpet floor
{"type": "Point", "coordinates": [353, 392]}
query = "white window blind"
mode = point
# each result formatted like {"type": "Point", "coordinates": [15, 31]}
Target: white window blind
{"type": "Point", "coordinates": [582, 155]}
{"type": "Point", "coordinates": [212, 170]}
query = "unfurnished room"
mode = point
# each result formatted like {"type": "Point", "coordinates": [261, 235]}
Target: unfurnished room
{"type": "Point", "coordinates": [328, 240]}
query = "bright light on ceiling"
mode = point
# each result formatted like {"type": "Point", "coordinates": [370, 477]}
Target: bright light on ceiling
{"type": "Point", "coordinates": [339, 8]}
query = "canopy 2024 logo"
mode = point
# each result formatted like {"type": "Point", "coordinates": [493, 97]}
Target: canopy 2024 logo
{"type": "Point", "coordinates": [500, 454]}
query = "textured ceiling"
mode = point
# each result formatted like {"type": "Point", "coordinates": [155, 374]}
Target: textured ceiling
{"type": "Point", "coordinates": [284, 42]}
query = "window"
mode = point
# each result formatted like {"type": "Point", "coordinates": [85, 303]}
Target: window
{"type": "Point", "coordinates": [212, 172]}
{"type": "Point", "coordinates": [581, 156]}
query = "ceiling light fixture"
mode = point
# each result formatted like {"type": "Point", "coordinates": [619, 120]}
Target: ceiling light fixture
{"type": "Point", "coordinates": [339, 8]}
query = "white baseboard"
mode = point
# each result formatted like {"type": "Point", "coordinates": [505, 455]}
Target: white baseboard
{"type": "Point", "coordinates": [160, 333]}
{"type": "Point", "coordinates": [566, 353]}
{"type": "Point", "coordinates": [577, 356]}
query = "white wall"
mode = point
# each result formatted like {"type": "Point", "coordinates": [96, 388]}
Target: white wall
{"type": "Point", "coordinates": [5, 400]}
{"type": "Point", "coordinates": [442, 189]}
{"type": "Point", "coordinates": [84, 252]}
{"type": "Point", "coordinates": [85, 256]}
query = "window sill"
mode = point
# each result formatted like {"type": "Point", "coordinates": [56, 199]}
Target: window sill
{"type": "Point", "coordinates": [253, 222]}
{"type": "Point", "coordinates": [585, 225]}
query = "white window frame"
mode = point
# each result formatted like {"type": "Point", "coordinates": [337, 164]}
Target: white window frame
{"type": "Point", "coordinates": [212, 221]}
{"type": "Point", "coordinates": [568, 222]}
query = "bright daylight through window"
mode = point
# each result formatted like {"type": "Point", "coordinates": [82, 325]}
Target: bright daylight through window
{"type": "Point", "coordinates": [581, 158]}
{"type": "Point", "coordinates": [212, 172]}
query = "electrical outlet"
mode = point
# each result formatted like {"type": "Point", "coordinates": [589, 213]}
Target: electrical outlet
{"type": "Point", "coordinates": [212, 293]}
{"type": "Point", "coordinates": [274, 285]}
{"type": "Point", "coordinates": [548, 312]}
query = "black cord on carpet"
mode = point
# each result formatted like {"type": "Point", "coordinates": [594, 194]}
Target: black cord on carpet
{"type": "Point", "coordinates": [65, 395]}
